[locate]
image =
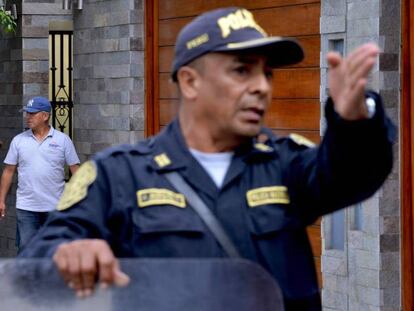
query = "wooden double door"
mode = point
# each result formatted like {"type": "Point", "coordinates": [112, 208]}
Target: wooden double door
{"type": "Point", "coordinates": [295, 105]}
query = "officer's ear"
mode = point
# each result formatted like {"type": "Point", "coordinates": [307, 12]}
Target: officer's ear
{"type": "Point", "coordinates": [188, 81]}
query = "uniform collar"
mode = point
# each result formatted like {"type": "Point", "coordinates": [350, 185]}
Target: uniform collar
{"type": "Point", "coordinates": [170, 150]}
{"type": "Point", "coordinates": [171, 153]}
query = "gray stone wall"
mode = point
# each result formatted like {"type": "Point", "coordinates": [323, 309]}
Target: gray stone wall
{"type": "Point", "coordinates": [108, 74]}
{"type": "Point", "coordinates": [108, 77]}
{"type": "Point", "coordinates": [365, 274]}
{"type": "Point", "coordinates": [10, 124]}
{"type": "Point", "coordinates": [24, 71]}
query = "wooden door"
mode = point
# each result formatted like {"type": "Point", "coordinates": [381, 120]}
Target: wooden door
{"type": "Point", "coordinates": [295, 105]}
{"type": "Point", "coordinates": [407, 163]}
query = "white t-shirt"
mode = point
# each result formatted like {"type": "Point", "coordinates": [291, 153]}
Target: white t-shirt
{"type": "Point", "coordinates": [216, 164]}
{"type": "Point", "coordinates": [40, 167]}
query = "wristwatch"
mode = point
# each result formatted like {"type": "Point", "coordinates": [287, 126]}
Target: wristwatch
{"type": "Point", "coordinates": [370, 102]}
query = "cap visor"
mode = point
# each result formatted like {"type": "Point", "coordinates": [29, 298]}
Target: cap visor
{"type": "Point", "coordinates": [280, 51]}
{"type": "Point", "coordinates": [31, 110]}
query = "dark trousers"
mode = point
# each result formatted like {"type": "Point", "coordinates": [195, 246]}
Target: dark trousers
{"type": "Point", "coordinates": [28, 223]}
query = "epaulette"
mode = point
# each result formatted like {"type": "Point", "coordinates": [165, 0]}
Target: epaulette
{"type": "Point", "coordinates": [301, 140]}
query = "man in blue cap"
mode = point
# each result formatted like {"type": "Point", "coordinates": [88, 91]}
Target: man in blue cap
{"type": "Point", "coordinates": [39, 155]}
{"type": "Point", "coordinates": [263, 190]}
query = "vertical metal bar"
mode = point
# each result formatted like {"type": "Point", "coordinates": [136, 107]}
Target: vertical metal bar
{"type": "Point", "coordinates": [62, 66]}
{"type": "Point", "coordinates": [53, 72]}
{"type": "Point", "coordinates": [70, 68]}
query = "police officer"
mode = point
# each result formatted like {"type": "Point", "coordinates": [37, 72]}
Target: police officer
{"type": "Point", "coordinates": [263, 189]}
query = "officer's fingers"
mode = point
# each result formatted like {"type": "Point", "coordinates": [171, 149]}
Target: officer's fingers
{"type": "Point", "coordinates": [60, 259]}
{"type": "Point", "coordinates": [74, 267]}
{"type": "Point", "coordinates": [367, 52]}
{"type": "Point", "coordinates": [121, 279]}
{"type": "Point", "coordinates": [354, 107]}
{"type": "Point", "coordinates": [106, 262]}
{"type": "Point", "coordinates": [88, 272]}
{"type": "Point", "coordinates": [362, 71]}
{"type": "Point", "coordinates": [333, 59]}
{"type": "Point", "coordinates": [357, 96]}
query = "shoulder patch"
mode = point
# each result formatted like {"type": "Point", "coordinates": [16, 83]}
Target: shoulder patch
{"type": "Point", "coordinates": [300, 140]}
{"type": "Point", "coordinates": [262, 147]}
{"type": "Point", "coordinates": [77, 188]}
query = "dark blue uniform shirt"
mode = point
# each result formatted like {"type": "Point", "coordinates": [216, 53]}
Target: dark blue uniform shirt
{"type": "Point", "coordinates": [271, 192]}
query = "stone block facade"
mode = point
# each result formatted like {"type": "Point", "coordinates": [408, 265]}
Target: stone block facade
{"type": "Point", "coordinates": [108, 78]}
{"type": "Point", "coordinates": [11, 122]}
{"type": "Point", "coordinates": [365, 274]}
{"type": "Point", "coordinates": [24, 68]}
{"type": "Point", "coordinates": [108, 75]}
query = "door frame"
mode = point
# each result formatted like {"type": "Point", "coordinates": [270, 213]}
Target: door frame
{"type": "Point", "coordinates": [407, 155]}
{"type": "Point", "coordinates": [151, 67]}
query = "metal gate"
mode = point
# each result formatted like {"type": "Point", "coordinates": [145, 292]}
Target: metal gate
{"type": "Point", "coordinates": [60, 79]}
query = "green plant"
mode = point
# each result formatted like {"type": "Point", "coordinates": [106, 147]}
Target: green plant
{"type": "Point", "coordinates": [7, 22]}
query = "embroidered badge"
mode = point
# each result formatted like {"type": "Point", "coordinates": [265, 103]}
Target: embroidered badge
{"type": "Point", "coordinates": [267, 195]}
{"type": "Point", "coordinates": [240, 19]}
{"type": "Point", "coordinates": [162, 160]}
{"type": "Point", "coordinates": [263, 147]}
{"type": "Point", "coordinates": [159, 196]}
{"type": "Point", "coordinates": [77, 188]}
{"type": "Point", "coordinates": [197, 41]}
{"type": "Point", "coordinates": [300, 140]}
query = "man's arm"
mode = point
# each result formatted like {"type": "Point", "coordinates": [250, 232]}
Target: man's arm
{"type": "Point", "coordinates": [71, 157]}
{"type": "Point", "coordinates": [355, 155]}
{"type": "Point", "coordinates": [73, 168]}
{"type": "Point", "coordinates": [6, 181]}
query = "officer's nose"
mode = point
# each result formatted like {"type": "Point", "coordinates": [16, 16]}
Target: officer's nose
{"type": "Point", "coordinates": [261, 83]}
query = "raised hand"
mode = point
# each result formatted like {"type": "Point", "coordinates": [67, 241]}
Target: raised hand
{"type": "Point", "coordinates": [347, 79]}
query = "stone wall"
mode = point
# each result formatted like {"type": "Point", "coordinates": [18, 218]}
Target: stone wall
{"type": "Point", "coordinates": [10, 124]}
{"type": "Point", "coordinates": [108, 77]}
{"type": "Point", "coordinates": [108, 74]}
{"type": "Point", "coordinates": [365, 274]}
{"type": "Point", "coordinates": [24, 71]}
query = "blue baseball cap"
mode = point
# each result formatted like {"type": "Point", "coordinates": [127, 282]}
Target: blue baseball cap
{"type": "Point", "coordinates": [231, 29]}
{"type": "Point", "coordinates": [37, 104]}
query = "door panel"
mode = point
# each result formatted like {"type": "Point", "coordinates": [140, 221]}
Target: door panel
{"type": "Point", "coordinates": [180, 8]}
{"type": "Point", "coordinates": [302, 20]}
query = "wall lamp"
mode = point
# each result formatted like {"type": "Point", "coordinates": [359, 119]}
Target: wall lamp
{"type": "Point", "coordinates": [67, 4]}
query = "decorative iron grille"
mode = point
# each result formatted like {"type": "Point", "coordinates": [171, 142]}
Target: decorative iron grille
{"type": "Point", "coordinates": [61, 92]}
